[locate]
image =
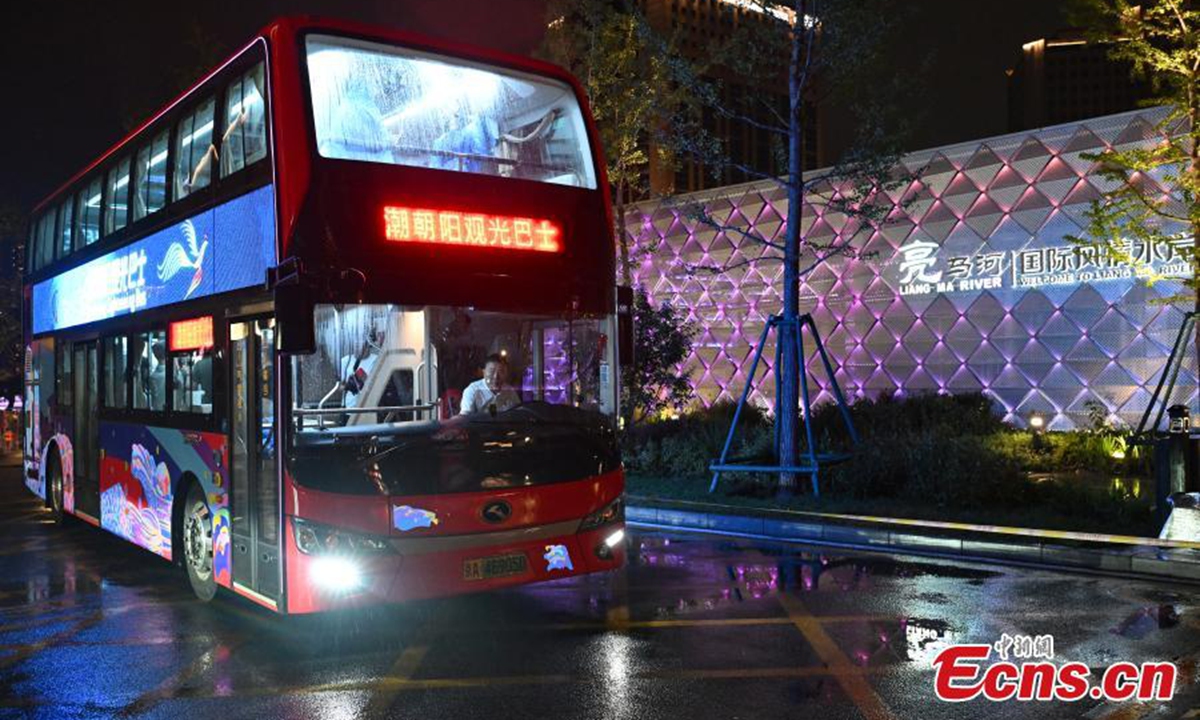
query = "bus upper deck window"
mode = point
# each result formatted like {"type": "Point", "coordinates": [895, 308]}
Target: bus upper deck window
{"type": "Point", "coordinates": [150, 192]}
{"type": "Point", "coordinates": [245, 140]}
{"type": "Point", "coordinates": [194, 150]}
{"type": "Point", "coordinates": [394, 105]}
{"type": "Point", "coordinates": [116, 201]}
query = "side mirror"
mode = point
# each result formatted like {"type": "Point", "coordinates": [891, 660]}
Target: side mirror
{"type": "Point", "coordinates": [624, 326]}
{"type": "Point", "coordinates": [295, 330]}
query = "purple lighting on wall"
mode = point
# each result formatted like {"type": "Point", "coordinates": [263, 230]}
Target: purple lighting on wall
{"type": "Point", "coordinates": [1041, 345]}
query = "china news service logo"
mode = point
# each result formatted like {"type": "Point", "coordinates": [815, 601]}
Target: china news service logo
{"type": "Point", "coordinates": [968, 672]}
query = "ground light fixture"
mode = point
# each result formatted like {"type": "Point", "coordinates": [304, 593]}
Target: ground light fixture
{"type": "Point", "coordinates": [1037, 422]}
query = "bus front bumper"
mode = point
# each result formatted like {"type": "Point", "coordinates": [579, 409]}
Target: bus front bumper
{"type": "Point", "coordinates": [449, 565]}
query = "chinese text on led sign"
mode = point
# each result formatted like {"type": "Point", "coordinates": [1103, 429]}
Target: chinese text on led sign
{"type": "Point", "coordinates": [451, 227]}
{"type": "Point", "coordinates": [194, 334]}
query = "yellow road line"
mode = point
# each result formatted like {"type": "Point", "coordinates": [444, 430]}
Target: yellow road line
{"type": "Point", "coordinates": [854, 684]}
{"type": "Point", "coordinates": [384, 689]}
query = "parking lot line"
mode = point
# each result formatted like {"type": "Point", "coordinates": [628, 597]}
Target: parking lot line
{"type": "Point", "coordinates": [384, 689]}
{"type": "Point", "coordinates": [854, 684]}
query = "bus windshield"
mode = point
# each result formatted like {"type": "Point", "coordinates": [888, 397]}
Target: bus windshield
{"type": "Point", "coordinates": [419, 390]}
{"type": "Point", "coordinates": [386, 104]}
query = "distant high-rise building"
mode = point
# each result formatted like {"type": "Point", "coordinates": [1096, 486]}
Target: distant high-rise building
{"type": "Point", "coordinates": [701, 26]}
{"type": "Point", "coordinates": [1066, 78]}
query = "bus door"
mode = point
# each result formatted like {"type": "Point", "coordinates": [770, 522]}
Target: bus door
{"type": "Point", "coordinates": [254, 482]}
{"type": "Point", "coordinates": [86, 378]}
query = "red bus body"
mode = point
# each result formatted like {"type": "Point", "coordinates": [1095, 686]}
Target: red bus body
{"type": "Point", "coordinates": [330, 213]}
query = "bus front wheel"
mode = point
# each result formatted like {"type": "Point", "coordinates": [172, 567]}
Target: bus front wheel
{"type": "Point", "coordinates": [198, 543]}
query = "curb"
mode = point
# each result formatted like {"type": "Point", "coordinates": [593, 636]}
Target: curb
{"type": "Point", "coordinates": [1031, 548]}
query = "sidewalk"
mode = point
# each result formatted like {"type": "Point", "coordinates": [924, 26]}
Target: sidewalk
{"type": "Point", "coordinates": [1110, 554]}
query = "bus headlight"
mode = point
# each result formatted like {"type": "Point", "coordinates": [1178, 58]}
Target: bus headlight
{"type": "Point", "coordinates": [337, 573]}
{"type": "Point", "coordinates": [610, 513]}
{"type": "Point", "coordinates": [316, 539]}
{"type": "Point", "coordinates": [615, 539]}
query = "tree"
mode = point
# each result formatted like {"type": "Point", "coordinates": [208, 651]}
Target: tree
{"type": "Point", "coordinates": [1156, 188]}
{"type": "Point", "coordinates": [831, 47]}
{"type": "Point", "coordinates": [623, 68]}
{"type": "Point", "coordinates": [661, 342]}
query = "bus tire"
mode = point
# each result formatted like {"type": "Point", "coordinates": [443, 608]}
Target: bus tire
{"type": "Point", "coordinates": [54, 486]}
{"type": "Point", "coordinates": [198, 543]}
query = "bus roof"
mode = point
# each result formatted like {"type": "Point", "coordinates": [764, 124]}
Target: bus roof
{"type": "Point", "coordinates": [290, 26]}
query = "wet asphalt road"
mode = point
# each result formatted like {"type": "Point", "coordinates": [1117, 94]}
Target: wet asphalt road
{"type": "Point", "coordinates": [696, 627]}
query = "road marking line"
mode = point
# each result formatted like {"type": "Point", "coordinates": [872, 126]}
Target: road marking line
{"type": "Point", "coordinates": [384, 689]}
{"type": "Point", "coordinates": [854, 685]}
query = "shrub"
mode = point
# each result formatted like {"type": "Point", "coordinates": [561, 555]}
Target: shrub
{"type": "Point", "coordinates": [887, 416]}
{"type": "Point", "coordinates": [688, 445]}
{"type": "Point", "coordinates": [966, 470]}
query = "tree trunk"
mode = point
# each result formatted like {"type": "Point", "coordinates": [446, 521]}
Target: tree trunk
{"type": "Point", "coordinates": [787, 405]}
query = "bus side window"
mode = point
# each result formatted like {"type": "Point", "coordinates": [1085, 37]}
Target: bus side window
{"type": "Point", "coordinates": [245, 140]}
{"type": "Point", "coordinates": [150, 173]}
{"type": "Point", "coordinates": [148, 353]}
{"type": "Point", "coordinates": [65, 225]}
{"type": "Point", "coordinates": [116, 367]}
{"type": "Point", "coordinates": [88, 214]}
{"type": "Point", "coordinates": [62, 373]}
{"type": "Point", "coordinates": [194, 150]}
{"type": "Point", "coordinates": [192, 372]}
{"type": "Point", "coordinates": [116, 202]}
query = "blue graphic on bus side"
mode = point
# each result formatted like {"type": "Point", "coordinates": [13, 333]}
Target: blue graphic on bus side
{"type": "Point", "coordinates": [225, 248]}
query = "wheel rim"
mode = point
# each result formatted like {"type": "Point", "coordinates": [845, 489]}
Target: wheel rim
{"type": "Point", "coordinates": [197, 540]}
{"type": "Point", "coordinates": [56, 486]}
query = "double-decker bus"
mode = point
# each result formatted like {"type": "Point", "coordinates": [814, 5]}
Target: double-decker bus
{"type": "Point", "coordinates": [337, 326]}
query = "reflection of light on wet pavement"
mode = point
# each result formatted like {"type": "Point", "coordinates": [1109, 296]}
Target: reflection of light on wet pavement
{"type": "Point", "coordinates": [615, 657]}
{"type": "Point", "coordinates": [925, 640]}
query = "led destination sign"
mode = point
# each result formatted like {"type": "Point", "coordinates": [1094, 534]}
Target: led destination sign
{"type": "Point", "coordinates": [451, 227]}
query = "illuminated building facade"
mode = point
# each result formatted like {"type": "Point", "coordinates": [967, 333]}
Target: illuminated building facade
{"type": "Point", "coordinates": [973, 287]}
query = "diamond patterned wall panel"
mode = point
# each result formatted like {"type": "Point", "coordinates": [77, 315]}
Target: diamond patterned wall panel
{"type": "Point", "coordinates": [969, 286]}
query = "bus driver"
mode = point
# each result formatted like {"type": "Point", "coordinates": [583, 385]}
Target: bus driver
{"type": "Point", "coordinates": [489, 391]}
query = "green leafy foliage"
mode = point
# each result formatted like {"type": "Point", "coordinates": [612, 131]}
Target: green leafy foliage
{"type": "Point", "coordinates": [623, 67]}
{"type": "Point", "coordinates": [656, 381]}
{"type": "Point", "coordinates": [1155, 195]}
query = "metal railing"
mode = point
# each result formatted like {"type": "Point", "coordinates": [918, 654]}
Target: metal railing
{"type": "Point", "coordinates": [321, 413]}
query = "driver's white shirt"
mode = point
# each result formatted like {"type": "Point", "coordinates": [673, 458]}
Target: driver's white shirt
{"type": "Point", "coordinates": [478, 396]}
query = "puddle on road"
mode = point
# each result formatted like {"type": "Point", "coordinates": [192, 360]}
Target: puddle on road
{"type": "Point", "coordinates": [1146, 620]}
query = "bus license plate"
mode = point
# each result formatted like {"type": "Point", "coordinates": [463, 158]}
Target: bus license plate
{"type": "Point", "coordinates": [494, 567]}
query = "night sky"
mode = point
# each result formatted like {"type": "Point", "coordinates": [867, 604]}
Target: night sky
{"type": "Point", "coordinates": [78, 75]}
